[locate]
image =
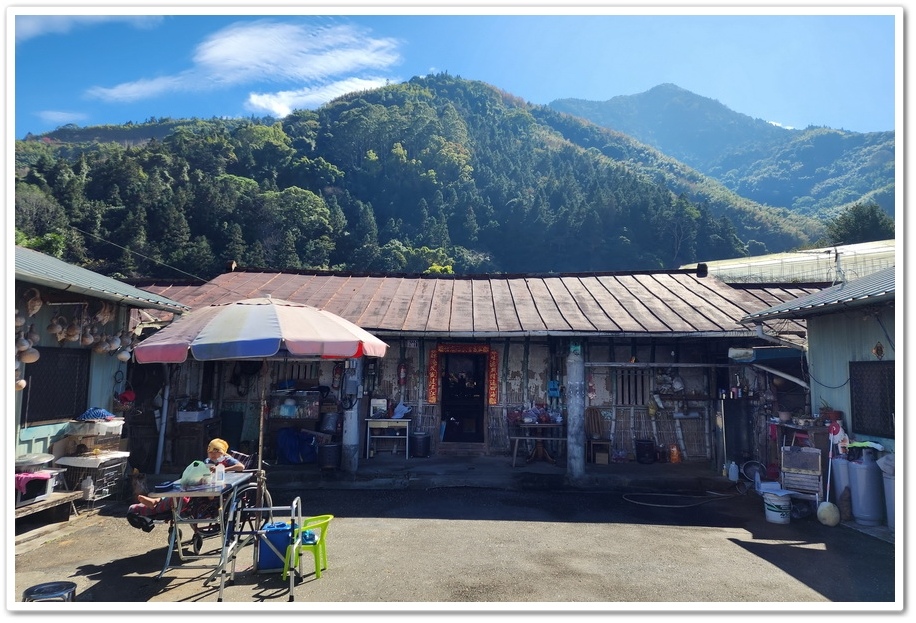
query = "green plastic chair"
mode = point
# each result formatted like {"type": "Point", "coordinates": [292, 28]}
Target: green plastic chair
{"type": "Point", "coordinates": [317, 527]}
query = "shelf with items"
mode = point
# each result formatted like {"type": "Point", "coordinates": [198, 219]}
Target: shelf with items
{"type": "Point", "coordinates": [295, 404]}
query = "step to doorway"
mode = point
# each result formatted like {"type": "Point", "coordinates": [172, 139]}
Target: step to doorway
{"type": "Point", "coordinates": [447, 448]}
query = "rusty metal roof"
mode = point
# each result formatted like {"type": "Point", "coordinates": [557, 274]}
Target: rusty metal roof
{"type": "Point", "coordinates": [630, 304]}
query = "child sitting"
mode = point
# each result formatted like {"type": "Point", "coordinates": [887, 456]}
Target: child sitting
{"type": "Point", "coordinates": [139, 515]}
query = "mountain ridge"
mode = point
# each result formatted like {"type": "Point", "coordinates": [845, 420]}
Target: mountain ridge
{"type": "Point", "coordinates": [434, 172]}
{"type": "Point", "coordinates": [815, 171]}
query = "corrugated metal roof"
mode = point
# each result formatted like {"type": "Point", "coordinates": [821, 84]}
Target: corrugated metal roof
{"type": "Point", "coordinates": [874, 289]}
{"type": "Point", "coordinates": [40, 269]}
{"type": "Point", "coordinates": [830, 264]}
{"type": "Point", "coordinates": [618, 304]}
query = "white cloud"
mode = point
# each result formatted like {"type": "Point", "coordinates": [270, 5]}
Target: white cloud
{"type": "Point", "coordinates": [304, 56]}
{"type": "Point", "coordinates": [31, 26]}
{"type": "Point", "coordinates": [779, 125]}
{"type": "Point", "coordinates": [271, 51]}
{"type": "Point", "coordinates": [283, 103]}
{"type": "Point", "coordinates": [60, 117]}
{"type": "Point", "coordinates": [138, 90]}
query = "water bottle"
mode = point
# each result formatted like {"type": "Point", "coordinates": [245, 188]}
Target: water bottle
{"type": "Point", "coordinates": [88, 488]}
{"type": "Point", "coordinates": [220, 473]}
{"type": "Point", "coordinates": [733, 472]}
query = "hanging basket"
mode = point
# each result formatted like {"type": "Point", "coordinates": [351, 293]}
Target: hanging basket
{"type": "Point", "coordinates": [124, 401]}
{"type": "Point", "coordinates": [121, 407]}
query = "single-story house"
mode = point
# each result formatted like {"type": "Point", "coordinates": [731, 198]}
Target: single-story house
{"type": "Point", "coordinates": [851, 349]}
{"type": "Point", "coordinates": [72, 346]}
{"type": "Point", "coordinates": [465, 351]}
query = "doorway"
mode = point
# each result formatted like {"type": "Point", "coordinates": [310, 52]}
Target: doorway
{"type": "Point", "coordinates": [463, 392]}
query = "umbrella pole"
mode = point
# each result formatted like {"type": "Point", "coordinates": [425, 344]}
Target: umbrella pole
{"type": "Point", "coordinates": [262, 421]}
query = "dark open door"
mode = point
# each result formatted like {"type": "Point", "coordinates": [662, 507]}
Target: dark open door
{"type": "Point", "coordinates": [463, 392]}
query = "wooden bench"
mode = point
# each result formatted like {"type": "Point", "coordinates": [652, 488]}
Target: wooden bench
{"type": "Point", "coordinates": [54, 501]}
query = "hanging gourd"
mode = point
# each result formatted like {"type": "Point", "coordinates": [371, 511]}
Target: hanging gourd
{"type": "Point", "coordinates": [56, 325]}
{"type": "Point", "coordinates": [29, 355]}
{"type": "Point", "coordinates": [22, 343]}
{"type": "Point", "coordinates": [33, 301]}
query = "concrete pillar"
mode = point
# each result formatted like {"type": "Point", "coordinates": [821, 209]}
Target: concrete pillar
{"type": "Point", "coordinates": [350, 446]}
{"type": "Point", "coordinates": [575, 414]}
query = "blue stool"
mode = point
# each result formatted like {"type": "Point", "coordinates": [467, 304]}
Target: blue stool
{"type": "Point", "coordinates": [50, 591]}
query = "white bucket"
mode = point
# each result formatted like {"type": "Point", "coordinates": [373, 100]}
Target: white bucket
{"type": "Point", "coordinates": [777, 506]}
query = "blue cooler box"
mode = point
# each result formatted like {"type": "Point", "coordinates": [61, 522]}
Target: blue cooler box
{"type": "Point", "coordinates": [280, 535]}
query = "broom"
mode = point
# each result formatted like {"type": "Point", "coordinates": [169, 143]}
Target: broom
{"type": "Point", "coordinates": [827, 512]}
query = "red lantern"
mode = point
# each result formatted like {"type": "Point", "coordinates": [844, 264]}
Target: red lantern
{"type": "Point", "coordinates": [402, 374]}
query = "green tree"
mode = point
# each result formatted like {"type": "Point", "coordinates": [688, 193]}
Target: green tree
{"type": "Point", "coordinates": [37, 213]}
{"type": "Point", "coordinates": [860, 223]}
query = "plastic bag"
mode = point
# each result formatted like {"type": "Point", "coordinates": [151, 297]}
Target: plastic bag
{"type": "Point", "coordinates": [197, 473]}
{"type": "Point", "coordinates": [401, 410]}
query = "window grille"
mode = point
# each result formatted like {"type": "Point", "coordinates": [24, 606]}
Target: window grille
{"type": "Point", "coordinates": [871, 385]}
{"type": "Point", "coordinates": [632, 386]}
{"type": "Point", "coordinates": [58, 386]}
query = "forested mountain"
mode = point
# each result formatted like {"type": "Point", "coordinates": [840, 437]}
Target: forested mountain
{"type": "Point", "coordinates": [434, 174]}
{"type": "Point", "coordinates": [816, 171]}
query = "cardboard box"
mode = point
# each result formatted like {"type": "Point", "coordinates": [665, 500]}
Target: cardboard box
{"type": "Point", "coordinates": [602, 458]}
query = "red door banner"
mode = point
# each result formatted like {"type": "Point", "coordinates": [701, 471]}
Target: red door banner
{"type": "Point", "coordinates": [432, 374]}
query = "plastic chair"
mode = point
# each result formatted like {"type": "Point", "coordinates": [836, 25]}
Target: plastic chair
{"type": "Point", "coordinates": [317, 544]}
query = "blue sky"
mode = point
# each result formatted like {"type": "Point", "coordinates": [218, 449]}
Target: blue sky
{"type": "Point", "coordinates": [100, 68]}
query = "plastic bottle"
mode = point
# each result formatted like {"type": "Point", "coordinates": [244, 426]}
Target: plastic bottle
{"type": "Point", "coordinates": [733, 472]}
{"type": "Point", "coordinates": [88, 488]}
{"type": "Point", "coordinates": [220, 473]}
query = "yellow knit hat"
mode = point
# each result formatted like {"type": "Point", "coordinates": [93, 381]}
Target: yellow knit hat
{"type": "Point", "coordinates": [218, 444]}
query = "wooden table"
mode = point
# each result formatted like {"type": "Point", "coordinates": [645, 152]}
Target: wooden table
{"type": "Point", "coordinates": [539, 433]}
{"type": "Point", "coordinates": [386, 424]}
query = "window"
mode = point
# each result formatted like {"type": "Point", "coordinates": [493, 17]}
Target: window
{"type": "Point", "coordinates": [871, 386]}
{"type": "Point", "coordinates": [632, 386]}
{"type": "Point", "coordinates": [58, 386]}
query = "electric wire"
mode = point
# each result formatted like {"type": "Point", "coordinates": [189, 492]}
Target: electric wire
{"type": "Point", "coordinates": [711, 496]}
{"type": "Point", "coordinates": [158, 262]}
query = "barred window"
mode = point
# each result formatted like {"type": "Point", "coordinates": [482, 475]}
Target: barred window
{"type": "Point", "coordinates": [58, 386]}
{"type": "Point", "coordinates": [632, 386]}
{"type": "Point", "coordinates": [871, 385]}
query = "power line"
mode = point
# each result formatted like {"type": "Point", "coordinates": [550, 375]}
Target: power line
{"type": "Point", "coordinates": [163, 264]}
